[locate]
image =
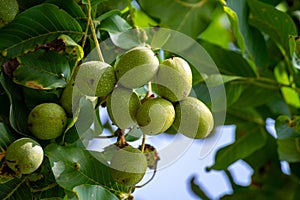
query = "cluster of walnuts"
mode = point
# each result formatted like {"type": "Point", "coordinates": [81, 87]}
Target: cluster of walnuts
{"type": "Point", "coordinates": [166, 106]}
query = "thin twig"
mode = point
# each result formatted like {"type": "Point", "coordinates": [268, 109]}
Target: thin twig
{"type": "Point", "coordinates": [94, 32]}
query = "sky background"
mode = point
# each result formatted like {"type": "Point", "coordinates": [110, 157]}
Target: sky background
{"type": "Point", "coordinates": [172, 179]}
{"type": "Point", "coordinates": [172, 182]}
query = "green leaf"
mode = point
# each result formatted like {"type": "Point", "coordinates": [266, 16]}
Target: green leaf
{"type": "Point", "coordinates": [86, 115]}
{"type": "Point", "coordinates": [6, 137]}
{"type": "Point", "coordinates": [254, 96]}
{"type": "Point", "coordinates": [43, 184]}
{"type": "Point", "coordinates": [289, 149]}
{"type": "Point", "coordinates": [218, 32]}
{"type": "Point", "coordinates": [141, 19]}
{"type": "Point", "coordinates": [287, 128]}
{"type": "Point", "coordinates": [134, 134]}
{"type": "Point", "coordinates": [278, 25]}
{"type": "Point", "coordinates": [71, 7]}
{"type": "Point", "coordinates": [234, 21]}
{"type": "Point", "coordinates": [185, 17]}
{"type": "Point", "coordinates": [266, 154]}
{"type": "Point", "coordinates": [197, 189]}
{"type": "Point", "coordinates": [15, 189]}
{"type": "Point", "coordinates": [254, 42]}
{"type": "Point", "coordinates": [225, 59]}
{"type": "Point", "coordinates": [72, 49]}
{"type": "Point", "coordinates": [240, 116]}
{"type": "Point", "coordinates": [42, 70]}
{"type": "Point", "coordinates": [40, 25]}
{"type": "Point", "coordinates": [253, 138]}
{"type": "Point", "coordinates": [290, 95]}
{"type": "Point", "coordinates": [107, 15]}
{"type": "Point", "coordinates": [5, 104]}
{"type": "Point", "coordinates": [93, 2]}
{"type": "Point", "coordinates": [108, 5]}
{"type": "Point", "coordinates": [74, 166]}
{"type": "Point", "coordinates": [233, 92]}
{"type": "Point", "coordinates": [271, 2]}
{"type": "Point", "coordinates": [18, 111]}
{"type": "Point", "coordinates": [93, 192]}
{"type": "Point", "coordinates": [122, 34]}
{"type": "Point", "coordinates": [115, 24]}
{"type": "Point", "coordinates": [34, 97]}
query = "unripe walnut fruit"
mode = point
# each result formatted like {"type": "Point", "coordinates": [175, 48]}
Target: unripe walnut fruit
{"type": "Point", "coordinates": [95, 78]}
{"type": "Point", "coordinates": [122, 105]}
{"type": "Point", "coordinates": [155, 116]}
{"type": "Point", "coordinates": [193, 118]}
{"type": "Point", "coordinates": [47, 121]}
{"type": "Point", "coordinates": [24, 156]}
{"type": "Point", "coordinates": [128, 166]}
{"type": "Point", "coordinates": [174, 79]}
{"type": "Point", "coordinates": [136, 67]}
{"type": "Point", "coordinates": [8, 11]}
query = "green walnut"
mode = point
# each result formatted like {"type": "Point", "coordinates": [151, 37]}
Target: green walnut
{"type": "Point", "coordinates": [174, 79]}
{"type": "Point", "coordinates": [66, 99]}
{"type": "Point", "coordinates": [136, 67]}
{"type": "Point", "coordinates": [70, 98]}
{"type": "Point", "coordinates": [8, 10]}
{"type": "Point", "coordinates": [24, 156]}
{"type": "Point", "coordinates": [128, 166]}
{"type": "Point", "coordinates": [95, 78]}
{"type": "Point", "coordinates": [122, 105]}
{"type": "Point", "coordinates": [155, 116]}
{"type": "Point", "coordinates": [47, 121]}
{"type": "Point", "coordinates": [193, 118]}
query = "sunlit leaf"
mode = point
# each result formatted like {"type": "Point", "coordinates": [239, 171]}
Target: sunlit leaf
{"type": "Point", "coordinates": [278, 25]}
{"type": "Point", "coordinates": [254, 43]}
{"type": "Point", "coordinates": [290, 95]}
{"type": "Point", "coordinates": [93, 192]}
{"type": "Point", "coordinates": [234, 21]}
{"type": "Point", "coordinates": [182, 16]}
{"type": "Point", "coordinates": [141, 19]}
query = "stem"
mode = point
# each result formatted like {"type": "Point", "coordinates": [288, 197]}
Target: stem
{"type": "Point", "coordinates": [94, 32]}
{"type": "Point", "coordinates": [86, 30]}
{"type": "Point", "coordinates": [44, 188]}
{"type": "Point", "coordinates": [143, 143]}
{"type": "Point", "coordinates": [152, 177]}
{"type": "Point", "coordinates": [266, 83]}
{"type": "Point", "coordinates": [105, 137]}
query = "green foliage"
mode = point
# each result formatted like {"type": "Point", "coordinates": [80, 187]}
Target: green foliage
{"type": "Point", "coordinates": [253, 43]}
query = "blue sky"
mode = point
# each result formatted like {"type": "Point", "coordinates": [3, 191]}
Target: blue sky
{"type": "Point", "coordinates": [172, 182]}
